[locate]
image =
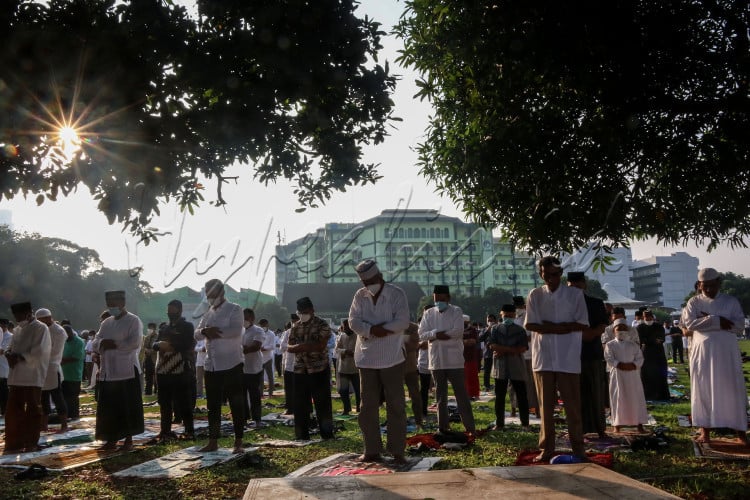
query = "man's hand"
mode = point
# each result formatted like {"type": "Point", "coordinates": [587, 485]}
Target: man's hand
{"type": "Point", "coordinates": [725, 324]}
{"type": "Point", "coordinates": [106, 344]}
{"type": "Point", "coordinates": [379, 331]}
{"type": "Point", "coordinates": [442, 336]}
{"type": "Point", "coordinates": [165, 346]}
{"type": "Point", "coordinates": [211, 332]}
{"type": "Point", "coordinates": [13, 359]}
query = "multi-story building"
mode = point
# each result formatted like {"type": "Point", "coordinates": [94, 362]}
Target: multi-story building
{"type": "Point", "coordinates": [664, 280]}
{"type": "Point", "coordinates": [410, 245]}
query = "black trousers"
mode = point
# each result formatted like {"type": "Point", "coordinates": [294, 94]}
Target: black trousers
{"type": "Point", "coordinates": [3, 395]}
{"type": "Point", "coordinates": [220, 384]}
{"type": "Point", "coordinates": [71, 389]}
{"type": "Point", "coordinates": [175, 395]}
{"type": "Point", "coordinates": [289, 390]}
{"type": "Point", "coordinates": [57, 397]}
{"type": "Point", "coordinates": [678, 348]}
{"type": "Point", "coordinates": [252, 389]}
{"type": "Point", "coordinates": [487, 371]}
{"type": "Point", "coordinates": [149, 375]}
{"type": "Point", "coordinates": [501, 389]}
{"type": "Point", "coordinates": [344, 380]}
{"type": "Point", "coordinates": [318, 387]}
{"type": "Point", "coordinates": [425, 381]}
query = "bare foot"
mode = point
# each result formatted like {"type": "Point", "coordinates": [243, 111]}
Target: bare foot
{"type": "Point", "coordinates": [238, 448]}
{"type": "Point", "coordinates": [212, 445]}
{"type": "Point", "coordinates": [542, 457]}
{"type": "Point", "coordinates": [617, 429]}
{"type": "Point", "coordinates": [127, 445]}
{"type": "Point", "coordinates": [742, 438]}
{"type": "Point", "coordinates": [372, 457]}
{"type": "Point", "coordinates": [703, 436]}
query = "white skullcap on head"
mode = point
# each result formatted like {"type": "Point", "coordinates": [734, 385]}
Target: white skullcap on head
{"type": "Point", "coordinates": [367, 269]}
{"type": "Point", "coordinates": [466, 317]}
{"type": "Point", "coordinates": [43, 313]}
{"type": "Point", "coordinates": [708, 274]}
{"type": "Point", "coordinates": [620, 321]}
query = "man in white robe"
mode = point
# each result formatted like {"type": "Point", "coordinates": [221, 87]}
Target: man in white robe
{"type": "Point", "coordinates": [717, 386]}
{"type": "Point", "coordinates": [624, 360]}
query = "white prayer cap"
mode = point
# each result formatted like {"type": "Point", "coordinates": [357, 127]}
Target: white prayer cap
{"type": "Point", "coordinates": [708, 274]}
{"type": "Point", "coordinates": [43, 313]}
{"type": "Point", "coordinates": [367, 269]}
{"type": "Point", "coordinates": [620, 321]}
{"type": "Point", "coordinates": [466, 318]}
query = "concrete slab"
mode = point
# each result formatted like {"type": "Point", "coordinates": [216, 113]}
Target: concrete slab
{"type": "Point", "coordinates": [550, 482]}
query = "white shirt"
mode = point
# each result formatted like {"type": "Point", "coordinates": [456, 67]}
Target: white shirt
{"type": "Point", "coordinates": [444, 354]}
{"type": "Point", "coordinates": [58, 337]}
{"type": "Point", "coordinates": [253, 363]}
{"type": "Point", "coordinates": [269, 344]}
{"type": "Point", "coordinates": [553, 352]}
{"type": "Point", "coordinates": [520, 319]}
{"type": "Point", "coordinates": [4, 344]}
{"type": "Point", "coordinates": [120, 363]}
{"type": "Point", "coordinates": [224, 352]}
{"type": "Point", "coordinates": [200, 353]}
{"type": "Point", "coordinates": [33, 343]}
{"type": "Point", "coordinates": [392, 312]}
{"type": "Point", "coordinates": [89, 350]}
{"type": "Point", "coordinates": [287, 357]}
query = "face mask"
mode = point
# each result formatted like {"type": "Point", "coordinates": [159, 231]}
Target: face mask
{"type": "Point", "coordinates": [212, 301]}
{"type": "Point", "coordinates": [114, 311]}
{"type": "Point", "coordinates": [441, 306]}
{"type": "Point", "coordinates": [649, 323]}
{"type": "Point", "coordinates": [508, 321]}
{"type": "Point", "coordinates": [305, 317]}
{"type": "Point", "coordinates": [247, 324]}
{"type": "Point", "coordinates": [265, 330]}
{"type": "Point", "coordinates": [374, 289]}
{"type": "Point", "coordinates": [173, 316]}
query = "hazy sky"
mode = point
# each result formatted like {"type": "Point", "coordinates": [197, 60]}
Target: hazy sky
{"type": "Point", "coordinates": [236, 242]}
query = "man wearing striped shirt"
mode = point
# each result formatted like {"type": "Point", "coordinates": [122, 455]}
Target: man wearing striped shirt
{"type": "Point", "coordinates": [379, 314]}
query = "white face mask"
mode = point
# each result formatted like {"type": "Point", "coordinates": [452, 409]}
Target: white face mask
{"type": "Point", "coordinates": [247, 324]}
{"type": "Point", "coordinates": [212, 301]}
{"type": "Point", "coordinates": [374, 289]}
{"type": "Point", "coordinates": [305, 317]}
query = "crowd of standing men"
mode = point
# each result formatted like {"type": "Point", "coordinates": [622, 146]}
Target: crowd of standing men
{"type": "Point", "coordinates": [559, 343]}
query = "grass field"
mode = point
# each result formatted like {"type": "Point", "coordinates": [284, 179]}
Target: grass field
{"type": "Point", "coordinates": [674, 469]}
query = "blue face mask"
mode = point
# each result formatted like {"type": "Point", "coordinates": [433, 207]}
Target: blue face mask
{"type": "Point", "coordinates": [441, 306]}
{"type": "Point", "coordinates": [508, 321]}
{"type": "Point", "coordinates": [115, 311]}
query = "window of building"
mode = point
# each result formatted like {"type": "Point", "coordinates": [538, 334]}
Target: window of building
{"type": "Point", "coordinates": [424, 233]}
{"type": "Point", "coordinates": [446, 234]}
{"type": "Point", "coordinates": [410, 233]}
{"type": "Point", "coordinates": [401, 232]}
{"type": "Point", "coordinates": [387, 232]}
{"type": "Point", "coordinates": [432, 232]}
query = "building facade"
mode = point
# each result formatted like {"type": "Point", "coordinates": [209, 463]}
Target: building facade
{"type": "Point", "coordinates": [664, 280]}
{"type": "Point", "coordinates": [410, 245]}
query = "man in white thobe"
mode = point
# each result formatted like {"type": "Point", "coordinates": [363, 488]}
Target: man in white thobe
{"type": "Point", "coordinates": [717, 386]}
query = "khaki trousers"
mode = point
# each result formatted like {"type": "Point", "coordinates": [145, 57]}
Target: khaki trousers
{"type": "Point", "coordinates": [547, 385]}
{"type": "Point", "coordinates": [390, 382]}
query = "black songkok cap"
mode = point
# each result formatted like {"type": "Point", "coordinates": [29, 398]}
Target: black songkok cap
{"type": "Point", "coordinates": [21, 308]}
{"type": "Point", "coordinates": [304, 303]}
{"type": "Point", "coordinates": [114, 295]}
{"type": "Point", "coordinates": [518, 301]}
{"type": "Point", "coordinates": [508, 308]}
{"type": "Point", "coordinates": [576, 276]}
{"type": "Point", "coordinates": [441, 289]}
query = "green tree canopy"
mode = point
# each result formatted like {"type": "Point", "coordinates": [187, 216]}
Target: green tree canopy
{"type": "Point", "coordinates": [594, 289]}
{"type": "Point", "coordinates": [161, 98]}
{"type": "Point", "coordinates": [607, 121]}
{"type": "Point", "coordinates": [57, 274]}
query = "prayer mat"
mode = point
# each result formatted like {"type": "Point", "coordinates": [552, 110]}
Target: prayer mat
{"type": "Point", "coordinates": [722, 449]}
{"type": "Point", "coordinates": [278, 418]}
{"type": "Point", "coordinates": [684, 421]}
{"type": "Point", "coordinates": [526, 457]}
{"type": "Point", "coordinates": [181, 463]}
{"type": "Point", "coordinates": [344, 417]}
{"type": "Point", "coordinates": [346, 464]}
{"type": "Point", "coordinates": [651, 420]}
{"type": "Point", "coordinates": [284, 443]}
{"type": "Point", "coordinates": [65, 457]}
